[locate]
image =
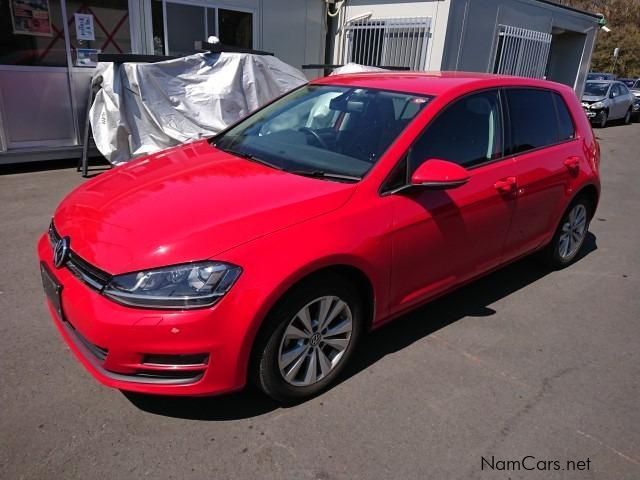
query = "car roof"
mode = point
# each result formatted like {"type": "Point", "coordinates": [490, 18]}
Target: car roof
{"type": "Point", "coordinates": [431, 83]}
{"type": "Point", "coordinates": [603, 81]}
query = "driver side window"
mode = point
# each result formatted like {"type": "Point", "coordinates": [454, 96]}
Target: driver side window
{"type": "Point", "coordinates": [468, 132]}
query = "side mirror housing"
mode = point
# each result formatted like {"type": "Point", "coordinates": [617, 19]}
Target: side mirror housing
{"type": "Point", "coordinates": [439, 174]}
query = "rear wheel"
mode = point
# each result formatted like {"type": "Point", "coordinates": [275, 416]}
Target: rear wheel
{"type": "Point", "coordinates": [308, 339]}
{"type": "Point", "coordinates": [570, 235]}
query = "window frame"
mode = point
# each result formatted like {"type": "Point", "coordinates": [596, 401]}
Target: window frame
{"type": "Point", "coordinates": [506, 133]}
{"type": "Point", "coordinates": [557, 96]}
{"type": "Point", "coordinates": [215, 5]}
{"type": "Point", "coordinates": [383, 191]}
{"type": "Point", "coordinates": [575, 135]}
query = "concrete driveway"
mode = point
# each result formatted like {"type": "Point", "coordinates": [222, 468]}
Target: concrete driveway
{"type": "Point", "coordinates": [524, 365]}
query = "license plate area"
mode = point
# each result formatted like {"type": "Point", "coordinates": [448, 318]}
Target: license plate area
{"type": "Point", "coordinates": [52, 289]}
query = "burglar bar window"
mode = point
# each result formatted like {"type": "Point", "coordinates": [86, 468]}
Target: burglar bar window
{"type": "Point", "coordinates": [397, 42]}
{"type": "Point", "coordinates": [521, 52]}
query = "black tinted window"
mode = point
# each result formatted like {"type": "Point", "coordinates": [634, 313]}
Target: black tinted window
{"type": "Point", "coordinates": [533, 119]}
{"type": "Point", "coordinates": [566, 130]}
{"type": "Point", "coordinates": [468, 132]}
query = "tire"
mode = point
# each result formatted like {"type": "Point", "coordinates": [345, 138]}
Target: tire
{"type": "Point", "coordinates": [569, 237]}
{"type": "Point", "coordinates": [602, 119]}
{"type": "Point", "coordinates": [284, 366]}
{"type": "Point", "coordinates": [627, 117]}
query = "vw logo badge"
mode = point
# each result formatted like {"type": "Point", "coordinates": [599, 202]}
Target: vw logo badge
{"type": "Point", "coordinates": [61, 252]}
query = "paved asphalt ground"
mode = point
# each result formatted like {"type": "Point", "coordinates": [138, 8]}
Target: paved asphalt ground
{"type": "Point", "coordinates": [522, 363]}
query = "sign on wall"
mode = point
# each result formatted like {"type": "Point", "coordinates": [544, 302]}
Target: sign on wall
{"type": "Point", "coordinates": [31, 17]}
{"type": "Point", "coordinates": [84, 27]}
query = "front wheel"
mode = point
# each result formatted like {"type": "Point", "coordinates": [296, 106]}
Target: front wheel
{"type": "Point", "coordinates": [308, 339]}
{"type": "Point", "coordinates": [570, 235]}
{"type": "Point", "coordinates": [627, 117]}
{"type": "Point", "coordinates": [602, 119]}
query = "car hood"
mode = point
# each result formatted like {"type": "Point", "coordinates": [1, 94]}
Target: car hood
{"type": "Point", "coordinates": [591, 98]}
{"type": "Point", "coordinates": [184, 204]}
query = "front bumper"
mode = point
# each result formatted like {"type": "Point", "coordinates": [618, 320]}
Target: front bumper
{"type": "Point", "coordinates": [190, 352]}
{"type": "Point", "coordinates": [591, 114]}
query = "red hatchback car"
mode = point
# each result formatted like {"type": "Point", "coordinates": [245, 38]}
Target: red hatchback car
{"type": "Point", "coordinates": [265, 253]}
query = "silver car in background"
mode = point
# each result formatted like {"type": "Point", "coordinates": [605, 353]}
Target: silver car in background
{"type": "Point", "coordinates": [605, 100]}
{"type": "Point", "coordinates": [635, 90]}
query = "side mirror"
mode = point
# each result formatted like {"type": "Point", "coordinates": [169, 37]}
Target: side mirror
{"type": "Point", "coordinates": [439, 174]}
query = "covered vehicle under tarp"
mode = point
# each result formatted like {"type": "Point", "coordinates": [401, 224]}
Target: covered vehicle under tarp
{"type": "Point", "coordinates": [146, 107]}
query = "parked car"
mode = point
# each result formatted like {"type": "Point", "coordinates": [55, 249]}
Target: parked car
{"type": "Point", "coordinates": [265, 253]}
{"type": "Point", "coordinates": [635, 90]}
{"type": "Point", "coordinates": [629, 82]}
{"type": "Point", "coordinates": [605, 100]}
{"type": "Point", "coordinates": [600, 76]}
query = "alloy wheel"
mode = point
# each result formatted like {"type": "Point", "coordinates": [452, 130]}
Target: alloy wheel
{"type": "Point", "coordinates": [573, 232]}
{"type": "Point", "coordinates": [315, 341]}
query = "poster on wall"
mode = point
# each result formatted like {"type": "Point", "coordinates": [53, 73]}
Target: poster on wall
{"type": "Point", "coordinates": [84, 27]}
{"type": "Point", "coordinates": [31, 17]}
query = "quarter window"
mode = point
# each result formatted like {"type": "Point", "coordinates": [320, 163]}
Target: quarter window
{"type": "Point", "coordinates": [566, 130]}
{"type": "Point", "coordinates": [532, 118]}
{"type": "Point", "coordinates": [468, 132]}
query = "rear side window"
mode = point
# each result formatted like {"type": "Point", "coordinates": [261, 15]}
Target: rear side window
{"type": "Point", "coordinates": [566, 130]}
{"type": "Point", "coordinates": [468, 132]}
{"type": "Point", "coordinates": [533, 119]}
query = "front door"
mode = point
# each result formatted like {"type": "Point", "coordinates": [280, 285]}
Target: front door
{"type": "Point", "coordinates": [442, 238]}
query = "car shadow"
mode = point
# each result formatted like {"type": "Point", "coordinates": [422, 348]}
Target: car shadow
{"type": "Point", "coordinates": [472, 300]}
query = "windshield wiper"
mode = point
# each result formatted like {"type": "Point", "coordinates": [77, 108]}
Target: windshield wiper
{"type": "Point", "coordinates": [323, 174]}
{"type": "Point", "coordinates": [248, 156]}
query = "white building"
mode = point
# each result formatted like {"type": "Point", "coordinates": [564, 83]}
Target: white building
{"type": "Point", "coordinates": [47, 47]}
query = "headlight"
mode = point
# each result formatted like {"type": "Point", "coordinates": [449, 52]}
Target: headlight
{"type": "Point", "coordinates": [597, 106]}
{"type": "Point", "coordinates": [191, 285]}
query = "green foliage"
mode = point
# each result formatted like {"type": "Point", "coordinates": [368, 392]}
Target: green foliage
{"type": "Point", "coordinates": [623, 18]}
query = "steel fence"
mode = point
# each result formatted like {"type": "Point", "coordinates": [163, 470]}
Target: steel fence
{"type": "Point", "coordinates": [394, 42]}
{"type": "Point", "coordinates": [522, 52]}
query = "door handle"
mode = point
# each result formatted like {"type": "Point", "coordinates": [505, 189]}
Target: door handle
{"type": "Point", "coordinates": [572, 163]}
{"type": "Point", "coordinates": [506, 185]}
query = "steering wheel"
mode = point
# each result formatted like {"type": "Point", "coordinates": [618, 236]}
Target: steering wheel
{"type": "Point", "coordinates": [315, 135]}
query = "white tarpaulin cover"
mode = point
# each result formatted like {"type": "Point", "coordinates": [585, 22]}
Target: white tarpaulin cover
{"type": "Point", "coordinates": [146, 107]}
{"type": "Point", "coordinates": [356, 68]}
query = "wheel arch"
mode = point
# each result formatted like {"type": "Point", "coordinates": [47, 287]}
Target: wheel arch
{"type": "Point", "coordinates": [348, 269]}
{"type": "Point", "coordinates": [593, 195]}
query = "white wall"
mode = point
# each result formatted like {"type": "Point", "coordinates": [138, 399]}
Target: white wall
{"type": "Point", "coordinates": [438, 10]}
{"type": "Point", "coordinates": [294, 30]}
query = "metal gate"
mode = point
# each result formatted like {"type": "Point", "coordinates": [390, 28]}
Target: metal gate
{"type": "Point", "coordinates": [387, 42]}
{"type": "Point", "coordinates": [521, 52]}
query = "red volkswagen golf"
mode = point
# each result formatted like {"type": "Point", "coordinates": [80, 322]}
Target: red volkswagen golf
{"type": "Point", "coordinates": [265, 253]}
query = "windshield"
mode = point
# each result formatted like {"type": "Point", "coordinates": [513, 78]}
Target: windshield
{"type": "Point", "coordinates": [637, 84]}
{"type": "Point", "coordinates": [324, 130]}
{"type": "Point", "coordinates": [596, 89]}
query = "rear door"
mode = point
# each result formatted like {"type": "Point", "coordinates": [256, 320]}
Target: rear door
{"type": "Point", "coordinates": [545, 151]}
{"type": "Point", "coordinates": [441, 238]}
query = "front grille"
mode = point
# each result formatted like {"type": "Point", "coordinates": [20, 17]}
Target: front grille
{"type": "Point", "coordinates": [84, 271]}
